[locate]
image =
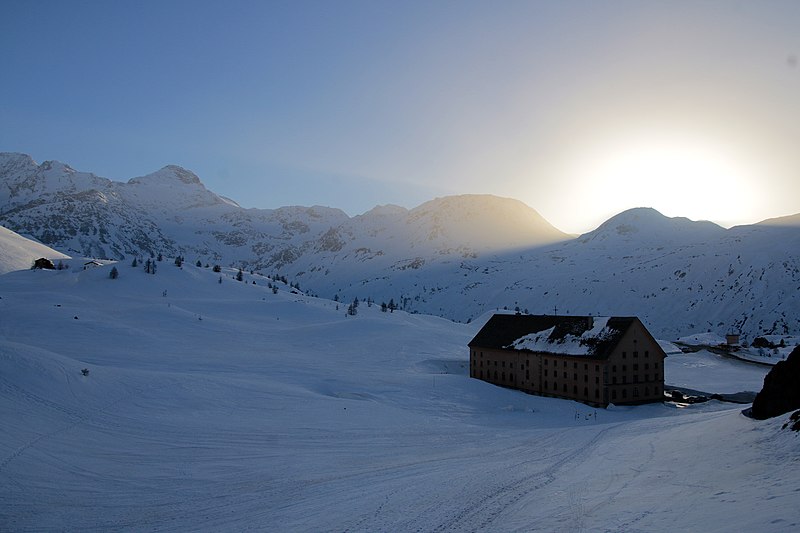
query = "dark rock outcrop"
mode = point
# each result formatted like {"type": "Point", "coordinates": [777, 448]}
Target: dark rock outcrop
{"type": "Point", "coordinates": [781, 392]}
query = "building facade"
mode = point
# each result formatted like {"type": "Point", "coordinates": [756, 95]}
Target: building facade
{"type": "Point", "coordinates": [595, 360]}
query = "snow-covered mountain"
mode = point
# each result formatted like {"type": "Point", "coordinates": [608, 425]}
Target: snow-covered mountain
{"type": "Point", "coordinates": [455, 257]}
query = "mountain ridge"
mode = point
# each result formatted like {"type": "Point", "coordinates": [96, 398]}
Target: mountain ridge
{"type": "Point", "coordinates": [456, 256]}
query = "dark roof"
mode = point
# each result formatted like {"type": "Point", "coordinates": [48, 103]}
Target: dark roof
{"type": "Point", "coordinates": [502, 331]}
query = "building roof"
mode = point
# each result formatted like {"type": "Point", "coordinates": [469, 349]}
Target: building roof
{"type": "Point", "coordinates": [580, 336]}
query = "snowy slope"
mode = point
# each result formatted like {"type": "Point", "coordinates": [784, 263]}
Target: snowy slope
{"type": "Point", "coordinates": [19, 253]}
{"type": "Point", "coordinates": [222, 406]}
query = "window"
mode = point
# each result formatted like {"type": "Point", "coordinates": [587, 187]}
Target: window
{"type": "Point", "coordinates": [585, 366]}
{"type": "Point", "coordinates": [565, 387]}
{"type": "Point", "coordinates": [597, 394]}
{"type": "Point", "coordinates": [511, 365]}
{"type": "Point", "coordinates": [495, 375]}
{"type": "Point", "coordinates": [636, 392]}
{"type": "Point", "coordinates": [636, 366]}
{"type": "Point", "coordinates": [597, 368]}
{"type": "Point", "coordinates": [647, 391]}
{"type": "Point", "coordinates": [503, 376]}
{"type": "Point", "coordinates": [495, 363]}
{"type": "Point", "coordinates": [480, 374]}
{"type": "Point", "coordinates": [655, 365]}
{"type": "Point", "coordinates": [614, 394]}
{"type": "Point", "coordinates": [545, 372]}
{"type": "Point", "coordinates": [555, 386]}
{"type": "Point", "coordinates": [624, 368]}
{"type": "Point", "coordinates": [575, 377]}
{"type": "Point", "coordinates": [565, 375]}
{"type": "Point", "coordinates": [504, 364]}
{"type": "Point", "coordinates": [624, 393]}
{"type": "Point", "coordinates": [597, 380]}
{"type": "Point", "coordinates": [646, 353]}
{"type": "Point", "coordinates": [624, 355]}
{"type": "Point", "coordinates": [565, 364]}
{"type": "Point", "coordinates": [545, 362]}
{"type": "Point", "coordinates": [624, 380]}
{"type": "Point", "coordinates": [614, 368]}
{"type": "Point", "coordinates": [481, 364]}
{"type": "Point", "coordinates": [647, 366]}
{"type": "Point", "coordinates": [545, 385]}
{"type": "Point", "coordinates": [527, 374]}
{"type": "Point", "coordinates": [635, 353]}
{"type": "Point", "coordinates": [647, 377]}
{"type": "Point", "coordinates": [614, 380]}
{"type": "Point", "coordinates": [575, 366]}
{"type": "Point", "coordinates": [586, 378]}
{"type": "Point", "coordinates": [585, 392]}
{"type": "Point", "coordinates": [635, 378]}
{"type": "Point", "coordinates": [574, 389]}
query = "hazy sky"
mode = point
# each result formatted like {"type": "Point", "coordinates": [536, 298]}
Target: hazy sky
{"type": "Point", "coordinates": [579, 109]}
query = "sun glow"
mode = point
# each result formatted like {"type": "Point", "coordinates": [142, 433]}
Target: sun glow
{"type": "Point", "coordinates": [693, 179]}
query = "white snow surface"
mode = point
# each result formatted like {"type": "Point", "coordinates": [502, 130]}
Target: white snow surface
{"type": "Point", "coordinates": [224, 407]}
{"type": "Point", "coordinates": [569, 344]}
{"type": "Point", "coordinates": [19, 253]}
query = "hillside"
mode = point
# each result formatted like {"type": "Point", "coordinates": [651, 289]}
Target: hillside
{"type": "Point", "coordinates": [456, 257]}
{"type": "Point", "coordinates": [224, 406]}
{"type": "Point", "coordinates": [19, 253]}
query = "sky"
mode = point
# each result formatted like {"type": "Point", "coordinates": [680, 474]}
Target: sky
{"type": "Point", "coordinates": [580, 109]}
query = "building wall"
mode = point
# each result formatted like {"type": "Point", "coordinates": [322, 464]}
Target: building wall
{"type": "Point", "coordinates": [636, 369]}
{"type": "Point", "coordinates": [633, 372]}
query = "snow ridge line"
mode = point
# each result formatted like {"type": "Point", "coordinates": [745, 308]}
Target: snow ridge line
{"type": "Point", "coordinates": [503, 497]}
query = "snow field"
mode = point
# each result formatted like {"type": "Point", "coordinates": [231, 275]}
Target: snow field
{"type": "Point", "coordinates": [226, 407]}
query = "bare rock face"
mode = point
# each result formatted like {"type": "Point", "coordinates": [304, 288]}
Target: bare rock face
{"type": "Point", "coordinates": [781, 392]}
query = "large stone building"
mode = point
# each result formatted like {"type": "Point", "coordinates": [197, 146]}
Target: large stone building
{"type": "Point", "coordinates": [595, 360]}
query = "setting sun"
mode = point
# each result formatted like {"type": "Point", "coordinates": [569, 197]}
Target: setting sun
{"type": "Point", "coordinates": [692, 178]}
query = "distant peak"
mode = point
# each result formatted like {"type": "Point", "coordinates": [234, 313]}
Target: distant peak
{"type": "Point", "coordinates": [9, 160]}
{"type": "Point", "coordinates": [386, 210]}
{"type": "Point", "coordinates": [169, 173]}
{"type": "Point", "coordinates": [646, 223]}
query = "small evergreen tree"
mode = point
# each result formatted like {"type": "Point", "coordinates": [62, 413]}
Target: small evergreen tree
{"type": "Point", "coordinates": [198, 264]}
{"type": "Point", "coordinates": [179, 261]}
{"type": "Point", "coordinates": [220, 279]}
{"type": "Point", "coordinates": [147, 266]}
{"type": "Point", "coordinates": [134, 263]}
{"type": "Point", "coordinates": [239, 275]}
{"type": "Point", "coordinates": [114, 274]}
{"type": "Point", "coordinates": [384, 307]}
{"type": "Point", "coordinates": [160, 257]}
{"type": "Point", "coordinates": [217, 268]}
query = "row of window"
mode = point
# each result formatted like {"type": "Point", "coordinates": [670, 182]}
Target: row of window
{"type": "Point", "coordinates": [635, 367]}
{"type": "Point", "coordinates": [565, 375]}
{"type": "Point", "coordinates": [635, 379]}
{"type": "Point", "coordinates": [574, 365]}
{"type": "Point", "coordinates": [636, 354]}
